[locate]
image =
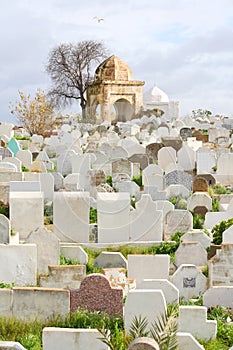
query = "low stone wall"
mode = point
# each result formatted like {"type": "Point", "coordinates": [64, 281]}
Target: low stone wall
{"type": "Point", "coordinates": [28, 303]}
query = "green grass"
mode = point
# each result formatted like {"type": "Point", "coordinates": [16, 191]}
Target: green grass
{"type": "Point", "coordinates": [93, 215]}
{"type": "Point", "coordinates": [26, 138]}
{"type": "Point", "coordinates": [29, 334]}
{"type": "Point", "coordinates": [4, 209]}
{"type": "Point", "coordinates": [219, 189]}
{"type": "Point", "coordinates": [138, 180]}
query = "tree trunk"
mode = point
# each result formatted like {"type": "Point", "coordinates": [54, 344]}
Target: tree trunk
{"type": "Point", "coordinates": [83, 107]}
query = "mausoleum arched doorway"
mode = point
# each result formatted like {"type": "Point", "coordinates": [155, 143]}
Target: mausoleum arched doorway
{"type": "Point", "coordinates": [123, 110]}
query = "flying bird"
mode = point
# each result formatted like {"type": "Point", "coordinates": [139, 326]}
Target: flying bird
{"type": "Point", "coordinates": [98, 19]}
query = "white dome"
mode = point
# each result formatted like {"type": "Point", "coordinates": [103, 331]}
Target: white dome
{"type": "Point", "coordinates": [155, 95]}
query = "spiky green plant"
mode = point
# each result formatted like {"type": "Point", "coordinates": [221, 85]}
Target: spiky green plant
{"type": "Point", "coordinates": [117, 340]}
{"type": "Point", "coordinates": [138, 328]}
{"type": "Point", "coordinates": [163, 331]}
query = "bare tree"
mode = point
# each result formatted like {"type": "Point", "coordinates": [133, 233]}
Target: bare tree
{"type": "Point", "coordinates": [70, 67]}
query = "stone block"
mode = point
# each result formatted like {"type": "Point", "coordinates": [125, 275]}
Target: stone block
{"type": "Point", "coordinates": [191, 253]}
{"type": "Point", "coordinates": [96, 293]}
{"type": "Point", "coordinates": [219, 296]}
{"type": "Point", "coordinates": [197, 235]}
{"type": "Point", "coordinates": [71, 216]}
{"type": "Point", "coordinates": [113, 217]}
{"type": "Point", "coordinates": [166, 155]}
{"type": "Point", "coordinates": [177, 190]}
{"type": "Point", "coordinates": [143, 267]}
{"type": "Point", "coordinates": [178, 221]}
{"type": "Point", "coordinates": [199, 199]}
{"type": "Point", "coordinates": [6, 299]}
{"type": "Point", "coordinates": [170, 291]}
{"type": "Point", "coordinates": [40, 303]}
{"type": "Point", "coordinates": [189, 280]}
{"type": "Point", "coordinates": [179, 177]}
{"type": "Point", "coordinates": [72, 339]}
{"type": "Point", "coordinates": [186, 341]}
{"type": "Point", "coordinates": [143, 343]}
{"type": "Point", "coordinates": [74, 252]}
{"type": "Point", "coordinates": [221, 266]}
{"type": "Point", "coordinates": [193, 319]}
{"type": "Point", "coordinates": [11, 345]}
{"type": "Point", "coordinates": [26, 212]}
{"type": "Point", "coordinates": [5, 229]}
{"type": "Point", "coordinates": [146, 221]}
{"type": "Point", "coordinates": [48, 248]}
{"type": "Point", "coordinates": [149, 303]}
{"type": "Point", "coordinates": [19, 264]}
{"type": "Point", "coordinates": [64, 276]}
{"type": "Point", "coordinates": [111, 259]}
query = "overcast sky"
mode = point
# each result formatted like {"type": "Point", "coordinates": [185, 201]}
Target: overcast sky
{"type": "Point", "coordinates": [185, 47]}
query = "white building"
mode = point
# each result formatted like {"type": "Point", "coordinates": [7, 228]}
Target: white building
{"type": "Point", "coordinates": [157, 99]}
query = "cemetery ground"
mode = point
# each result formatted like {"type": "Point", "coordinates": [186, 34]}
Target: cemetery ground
{"type": "Point", "coordinates": [126, 229]}
{"type": "Point", "coordinates": [29, 334]}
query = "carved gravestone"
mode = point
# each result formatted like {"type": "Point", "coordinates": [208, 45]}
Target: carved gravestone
{"type": "Point", "coordinates": [189, 280]}
{"type": "Point", "coordinates": [178, 177]}
{"type": "Point", "coordinates": [96, 294]}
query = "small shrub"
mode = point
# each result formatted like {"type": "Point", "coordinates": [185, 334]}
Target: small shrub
{"type": "Point", "coordinates": [4, 209]}
{"type": "Point", "coordinates": [24, 169]}
{"type": "Point", "coordinates": [138, 180]}
{"type": "Point", "coordinates": [93, 216]}
{"type": "Point", "coordinates": [198, 221]}
{"type": "Point", "coordinates": [219, 189]}
{"type": "Point", "coordinates": [109, 180]}
{"type": "Point", "coordinates": [215, 204]}
{"type": "Point", "coordinates": [6, 285]}
{"type": "Point", "coordinates": [67, 261]}
{"type": "Point", "coordinates": [218, 230]}
{"type": "Point", "coordinates": [25, 138]}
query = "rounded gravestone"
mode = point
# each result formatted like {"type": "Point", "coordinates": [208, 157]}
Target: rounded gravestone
{"type": "Point", "coordinates": [185, 133]}
{"type": "Point", "coordinates": [200, 184]}
{"type": "Point", "coordinates": [143, 343]}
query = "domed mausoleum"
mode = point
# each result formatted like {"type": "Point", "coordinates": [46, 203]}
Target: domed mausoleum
{"type": "Point", "coordinates": [157, 99]}
{"type": "Point", "coordinates": [114, 95]}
